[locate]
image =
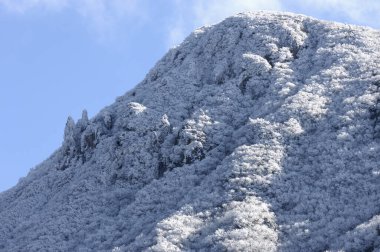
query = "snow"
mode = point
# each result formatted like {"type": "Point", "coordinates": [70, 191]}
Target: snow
{"type": "Point", "coordinates": [260, 133]}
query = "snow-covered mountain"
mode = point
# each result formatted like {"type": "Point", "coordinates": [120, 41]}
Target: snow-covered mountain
{"type": "Point", "coordinates": [260, 133]}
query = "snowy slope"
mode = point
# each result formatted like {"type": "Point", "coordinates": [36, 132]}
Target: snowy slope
{"type": "Point", "coordinates": [260, 133]}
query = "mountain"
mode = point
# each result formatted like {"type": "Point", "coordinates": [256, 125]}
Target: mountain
{"type": "Point", "coordinates": [260, 133]}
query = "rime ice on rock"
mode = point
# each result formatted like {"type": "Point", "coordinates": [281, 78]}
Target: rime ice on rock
{"type": "Point", "coordinates": [69, 130]}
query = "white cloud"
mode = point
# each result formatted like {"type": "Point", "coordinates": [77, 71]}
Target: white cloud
{"type": "Point", "coordinates": [176, 33]}
{"type": "Point", "coordinates": [213, 11]}
{"type": "Point", "coordinates": [21, 6]}
{"type": "Point", "coordinates": [179, 22]}
{"type": "Point", "coordinates": [365, 12]}
{"type": "Point", "coordinates": [182, 16]}
{"type": "Point", "coordinates": [206, 12]}
{"type": "Point", "coordinates": [101, 15]}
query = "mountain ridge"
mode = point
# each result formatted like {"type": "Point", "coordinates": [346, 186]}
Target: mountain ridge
{"type": "Point", "coordinates": [258, 133]}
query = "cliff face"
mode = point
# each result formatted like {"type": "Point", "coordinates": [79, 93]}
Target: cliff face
{"type": "Point", "coordinates": [260, 133]}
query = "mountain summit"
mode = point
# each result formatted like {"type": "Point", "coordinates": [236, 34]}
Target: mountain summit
{"type": "Point", "coordinates": [260, 133]}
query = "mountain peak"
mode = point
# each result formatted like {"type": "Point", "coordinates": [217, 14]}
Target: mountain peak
{"type": "Point", "coordinates": [258, 133]}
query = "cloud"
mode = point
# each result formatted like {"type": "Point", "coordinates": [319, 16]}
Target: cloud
{"type": "Point", "coordinates": [200, 12]}
{"type": "Point", "coordinates": [213, 11]}
{"type": "Point", "coordinates": [104, 15]}
{"type": "Point", "coordinates": [176, 33]}
{"type": "Point", "coordinates": [179, 17]}
{"type": "Point", "coordinates": [179, 23]}
{"type": "Point", "coordinates": [364, 12]}
{"type": "Point", "coordinates": [101, 15]}
{"type": "Point", "coordinates": [22, 6]}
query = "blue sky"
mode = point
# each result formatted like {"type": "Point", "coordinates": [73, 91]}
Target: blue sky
{"type": "Point", "coordinates": [59, 57]}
